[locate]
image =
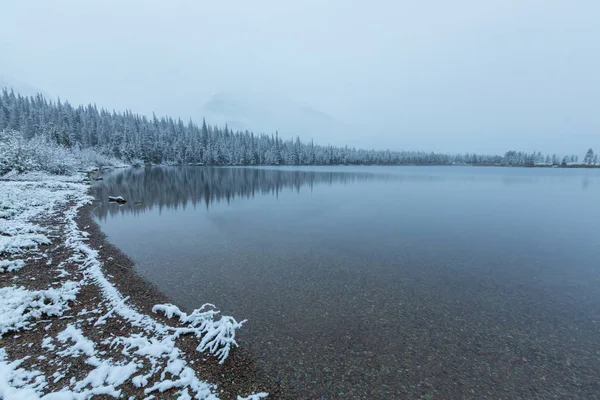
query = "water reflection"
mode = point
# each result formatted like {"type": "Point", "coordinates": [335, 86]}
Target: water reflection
{"type": "Point", "coordinates": [145, 188]}
{"type": "Point", "coordinates": [173, 187]}
{"type": "Point", "coordinates": [585, 183]}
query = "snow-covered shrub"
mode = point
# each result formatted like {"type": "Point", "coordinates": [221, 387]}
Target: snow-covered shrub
{"type": "Point", "coordinates": [89, 158]}
{"type": "Point", "coordinates": [51, 157]}
{"type": "Point", "coordinates": [136, 162]}
{"type": "Point", "coordinates": [41, 154]}
{"type": "Point", "coordinates": [216, 334]}
{"type": "Point", "coordinates": [14, 152]}
{"type": "Point", "coordinates": [37, 154]}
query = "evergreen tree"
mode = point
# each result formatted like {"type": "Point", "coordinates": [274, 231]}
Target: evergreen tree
{"type": "Point", "coordinates": [589, 157]}
{"type": "Point", "coordinates": [135, 138]}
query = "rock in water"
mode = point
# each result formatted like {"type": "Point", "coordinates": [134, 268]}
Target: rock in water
{"type": "Point", "coordinates": [117, 199]}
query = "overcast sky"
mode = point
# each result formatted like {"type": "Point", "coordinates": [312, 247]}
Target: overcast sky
{"type": "Point", "coordinates": [461, 75]}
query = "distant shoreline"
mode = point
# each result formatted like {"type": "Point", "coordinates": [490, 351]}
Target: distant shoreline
{"type": "Point", "coordinates": [578, 166]}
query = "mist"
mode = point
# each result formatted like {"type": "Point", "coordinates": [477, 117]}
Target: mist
{"type": "Point", "coordinates": [462, 76]}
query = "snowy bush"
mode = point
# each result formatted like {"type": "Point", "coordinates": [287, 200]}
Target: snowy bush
{"type": "Point", "coordinates": [41, 154]}
{"type": "Point", "coordinates": [216, 335]}
{"type": "Point", "coordinates": [14, 152]}
{"type": "Point", "coordinates": [53, 158]}
{"type": "Point", "coordinates": [89, 158]}
{"type": "Point", "coordinates": [37, 154]}
{"type": "Point", "coordinates": [136, 162]}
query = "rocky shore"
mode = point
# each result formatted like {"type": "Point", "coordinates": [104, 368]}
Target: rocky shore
{"type": "Point", "coordinates": [76, 321]}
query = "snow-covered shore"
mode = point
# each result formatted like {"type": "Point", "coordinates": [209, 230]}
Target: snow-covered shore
{"type": "Point", "coordinates": [66, 331]}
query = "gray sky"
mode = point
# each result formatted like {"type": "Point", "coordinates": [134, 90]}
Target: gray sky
{"type": "Point", "coordinates": [461, 75]}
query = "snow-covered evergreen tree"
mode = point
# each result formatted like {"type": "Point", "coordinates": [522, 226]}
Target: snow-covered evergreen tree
{"type": "Point", "coordinates": [134, 138]}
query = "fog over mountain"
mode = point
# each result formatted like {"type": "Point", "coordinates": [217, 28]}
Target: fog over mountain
{"type": "Point", "coordinates": [23, 88]}
{"type": "Point", "coordinates": [270, 113]}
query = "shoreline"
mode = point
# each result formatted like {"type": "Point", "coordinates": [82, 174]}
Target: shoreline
{"type": "Point", "coordinates": [238, 367]}
{"type": "Point", "coordinates": [574, 166]}
{"type": "Point", "coordinates": [66, 328]}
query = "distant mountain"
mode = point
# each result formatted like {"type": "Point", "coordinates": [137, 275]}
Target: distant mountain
{"type": "Point", "coordinates": [267, 114]}
{"type": "Point", "coordinates": [19, 87]}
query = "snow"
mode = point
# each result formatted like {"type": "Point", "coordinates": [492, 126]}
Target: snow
{"type": "Point", "coordinates": [22, 202]}
{"type": "Point", "coordinates": [40, 177]}
{"type": "Point", "coordinates": [81, 343]}
{"type": "Point", "coordinates": [18, 306]}
{"type": "Point", "coordinates": [47, 343]}
{"type": "Point", "coordinates": [145, 346]}
{"type": "Point", "coordinates": [106, 377]}
{"type": "Point", "coordinates": [11, 265]}
{"type": "Point", "coordinates": [187, 379]}
{"type": "Point", "coordinates": [253, 396]}
{"type": "Point", "coordinates": [17, 383]}
{"type": "Point", "coordinates": [216, 336]}
{"type": "Point", "coordinates": [148, 357]}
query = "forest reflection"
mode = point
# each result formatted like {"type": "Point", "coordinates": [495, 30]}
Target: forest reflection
{"type": "Point", "coordinates": [173, 187]}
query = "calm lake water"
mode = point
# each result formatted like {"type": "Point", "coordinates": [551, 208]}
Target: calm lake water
{"type": "Point", "coordinates": [382, 282]}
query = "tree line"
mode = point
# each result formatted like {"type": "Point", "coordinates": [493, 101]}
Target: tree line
{"type": "Point", "coordinates": [137, 139]}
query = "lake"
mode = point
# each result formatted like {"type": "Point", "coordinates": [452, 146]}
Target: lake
{"type": "Point", "coordinates": [381, 282]}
